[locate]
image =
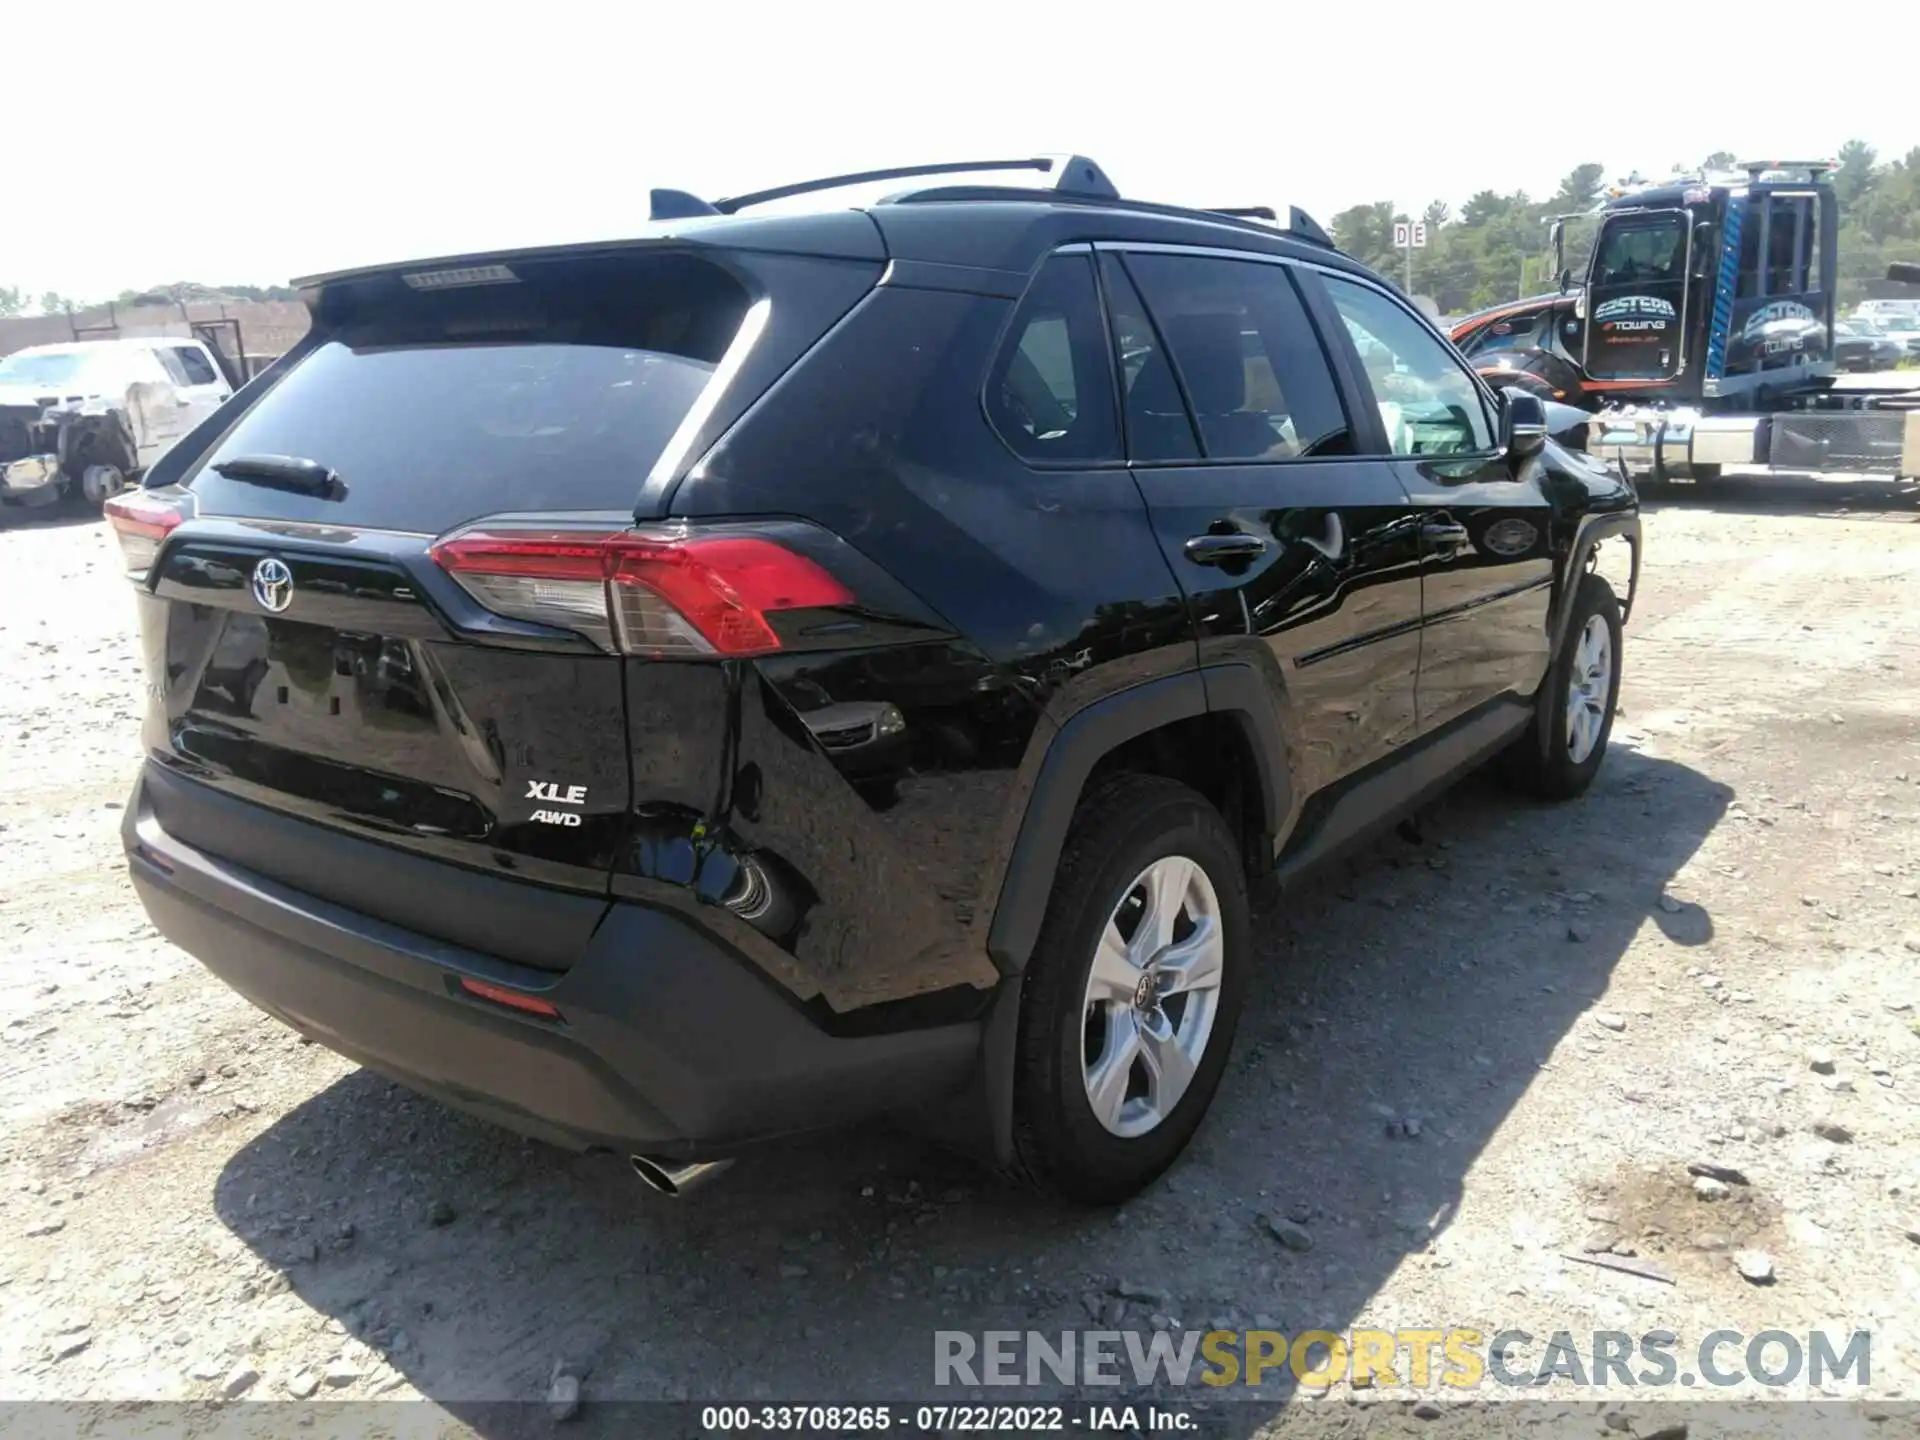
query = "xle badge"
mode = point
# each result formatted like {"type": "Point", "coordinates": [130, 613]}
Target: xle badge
{"type": "Point", "coordinates": [550, 791]}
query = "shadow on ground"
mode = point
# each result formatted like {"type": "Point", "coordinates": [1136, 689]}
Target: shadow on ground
{"type": "Point", "coordinates": [1429, 979]}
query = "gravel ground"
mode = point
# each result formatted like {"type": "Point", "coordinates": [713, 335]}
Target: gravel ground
{"type": "Point", "coordinates": [1478, 1050]}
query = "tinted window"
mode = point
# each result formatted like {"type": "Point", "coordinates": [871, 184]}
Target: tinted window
{"type": "Point", "coordinates": [199, 372]}
{"type": "Point", "coordinates": [1158, 427]}
{"type": "Point", "coordinates": [1050, 394]}
{"type": "Point", "coordinates": [1790, 265]}
{"type": "Point", "coordinates": [1246, 355]}
{"type": "Point", "coordinates": [1428, 402]}
{"type": "Point", "coordinates": [1787, 267]}
{"type": "Point", "coordinates": [555, 392]}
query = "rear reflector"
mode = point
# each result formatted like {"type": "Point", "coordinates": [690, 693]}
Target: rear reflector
{"type": "Point", "coordinates": [672, 595]}
{"type": "Point", "coordinates": [141, 523]}
{"type": "Point", "coordinates": [514, 999]}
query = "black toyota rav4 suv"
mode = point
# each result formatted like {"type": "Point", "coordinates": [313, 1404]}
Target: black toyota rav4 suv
{"type": "Point", "coordinates": [794, 666]}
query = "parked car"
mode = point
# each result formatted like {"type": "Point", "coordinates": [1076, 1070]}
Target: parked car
{"type": "Point", "coordinates": [524, 646]}
{"type": "Point", "coordinates": [1905, 329]}
{"type": "Point", "coordinates": [1863, 345]}
{"type": "Point", "coordinates": [1883, 310]}
{"type": "Point", "coordinates": [81, 419]}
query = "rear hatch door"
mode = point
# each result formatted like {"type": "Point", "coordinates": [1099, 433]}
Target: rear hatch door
{"type": "Point", "coordinates": [311, 660]}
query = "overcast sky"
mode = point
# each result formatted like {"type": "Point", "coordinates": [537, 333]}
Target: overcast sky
{"type": "Point", "coordinates": [250, 143]}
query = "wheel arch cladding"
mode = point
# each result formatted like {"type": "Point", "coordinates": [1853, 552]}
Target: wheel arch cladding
{"type": "Point", "coordinates": [1594, 529]}
{"type": "Point", "coordinates": [1140, 729]}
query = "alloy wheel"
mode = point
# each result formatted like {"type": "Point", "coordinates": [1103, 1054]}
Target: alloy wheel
{"type": "Point", "coordinates": [1589, 689]}
{"type": "Point", "coordinates": [1152, 996]}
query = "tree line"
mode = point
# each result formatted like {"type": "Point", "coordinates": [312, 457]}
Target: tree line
{"type": "Point", "coordinates": [1495, 249]}
{"type": "Point", "coordinates": [14, 301]}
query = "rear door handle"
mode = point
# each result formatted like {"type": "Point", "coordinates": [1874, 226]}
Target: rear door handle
{"type": "Point", "coordinates": [1232, 549]}
{"type": "Point", "coordinates": [1444, 536]}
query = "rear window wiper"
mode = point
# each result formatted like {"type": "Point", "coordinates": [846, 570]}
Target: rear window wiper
{"type": "Point", "coordinates": [284, 472]}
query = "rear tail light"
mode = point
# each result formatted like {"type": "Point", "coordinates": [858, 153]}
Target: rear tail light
{"type": "Point", "coordinates": [142, 521]}
{"type": "Point", "coordinates": [655, 595]}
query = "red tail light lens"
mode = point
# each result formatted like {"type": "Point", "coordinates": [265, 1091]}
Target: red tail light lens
{"type": "Point", "coordinates": [513, 999]}
{"type": "Point", "coordinates": [141, 523]}
{"type": "Point", "coordinates": [642, 594]}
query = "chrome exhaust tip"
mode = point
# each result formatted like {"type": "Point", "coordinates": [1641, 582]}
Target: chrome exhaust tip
{"type": "Point", "coordinates": [670, 1177]}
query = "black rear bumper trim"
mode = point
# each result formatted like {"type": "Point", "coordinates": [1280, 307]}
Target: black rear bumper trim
{"type": "Point", "coordinates": [669, 1044]}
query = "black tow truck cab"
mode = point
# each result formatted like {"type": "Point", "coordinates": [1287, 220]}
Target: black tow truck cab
{"type": "Point", "coordinates": [1701, 334]}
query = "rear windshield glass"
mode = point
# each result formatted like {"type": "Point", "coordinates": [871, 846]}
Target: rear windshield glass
{"type": "Point", "coordinates": [66, 369]}
{"type": "Point", "coordinates": [555, 391]}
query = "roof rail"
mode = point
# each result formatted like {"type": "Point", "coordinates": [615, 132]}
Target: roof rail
{"type": "Point", "coordinates": [1073, 177]}
{"type": "Point", "coordinates": [1070, 174]}
{"type": "Point", "coordinates": [1300, 225]}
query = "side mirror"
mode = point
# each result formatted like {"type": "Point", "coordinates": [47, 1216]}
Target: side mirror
{"type": "Point", "coordinates": [1523, 423]}
{"type": "Point", "coordinates": [1565, 280]}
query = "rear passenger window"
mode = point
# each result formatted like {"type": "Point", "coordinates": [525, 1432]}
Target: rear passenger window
{"type": "Point", "coordinates": [1050, 394]}
{"type": "Point", "coordinates": [169, 359]}
{"type": "Point", "coordinates": [1246, 355]}
{"type": "Point", "coordinates": [1158, 427]}
{"type": "Point", "coordinates": [199, 372]}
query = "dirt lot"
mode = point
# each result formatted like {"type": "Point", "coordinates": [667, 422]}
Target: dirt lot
{"type": "Point", "coordinates": [1714, 958]}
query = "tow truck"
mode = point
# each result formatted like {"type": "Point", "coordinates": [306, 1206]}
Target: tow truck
{"type": "Point", "coordinates": [1700, 334]}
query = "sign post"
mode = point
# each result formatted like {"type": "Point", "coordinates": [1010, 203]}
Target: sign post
{"type": "Point", "coordinates": [1410, 235]}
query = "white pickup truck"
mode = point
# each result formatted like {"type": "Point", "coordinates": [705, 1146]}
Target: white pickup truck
{"type": "Point", "coordinates": [84, 418]}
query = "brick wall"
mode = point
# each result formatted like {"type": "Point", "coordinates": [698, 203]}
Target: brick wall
{"type": "Point", "coordinates": [267, 327]}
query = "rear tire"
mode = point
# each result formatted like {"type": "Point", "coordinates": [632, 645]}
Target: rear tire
{"type": "Point", "coordinates": [99, 484]}
{"type": "Point", "coordinates": [1109, 1090]}
{"type": "Point", "coordinates": [1561, 751]}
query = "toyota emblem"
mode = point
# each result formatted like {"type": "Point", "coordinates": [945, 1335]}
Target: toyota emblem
{"type": "Point", "coordinates": [273, 584]}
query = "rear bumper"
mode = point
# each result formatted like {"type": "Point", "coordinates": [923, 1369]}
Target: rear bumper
{"type": "Point", "coordinates": [666, 1042]}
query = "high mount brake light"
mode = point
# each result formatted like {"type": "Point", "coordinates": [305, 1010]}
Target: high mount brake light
{"type": "Point", "coordinates": [642, 594]}
{"type": "Point", "coordinates": [141, 524]}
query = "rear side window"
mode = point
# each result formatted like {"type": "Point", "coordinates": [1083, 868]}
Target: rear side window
{"type": "Point", "coordinates": [1050, 392]}
{"type": "Point", "coordinates": [169, 359]}
{"type": "Point", "coordinates": [198, 371]}
{"type": "Point", "coordinates": [1246, 355]}
{"type": "Point", "coordinates": [557, 390]}
{"type": "Point", "coordinates": [1158, 426]}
